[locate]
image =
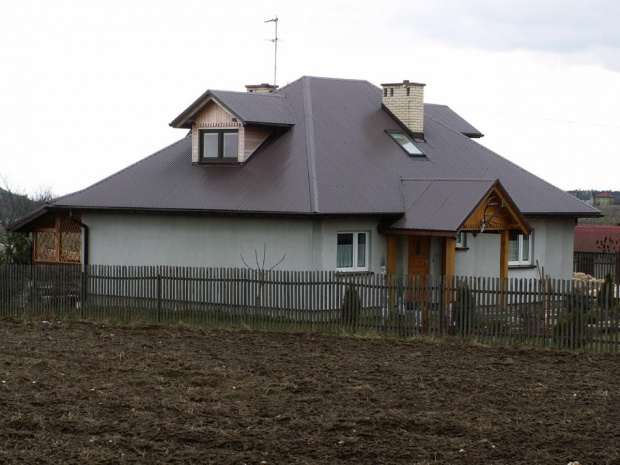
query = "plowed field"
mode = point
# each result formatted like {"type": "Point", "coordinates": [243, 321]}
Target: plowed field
{"type": "Point", "coordinates": [89, 393]}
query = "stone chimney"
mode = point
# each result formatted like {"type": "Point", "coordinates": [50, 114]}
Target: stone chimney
{"type": "Point", "coordinates": [405, 100]}
{"type": "Point", "coordinates": [261, 88]}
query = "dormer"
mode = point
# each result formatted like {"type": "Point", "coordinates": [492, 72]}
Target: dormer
{"type": "Point", "coordinates": [228, 127]}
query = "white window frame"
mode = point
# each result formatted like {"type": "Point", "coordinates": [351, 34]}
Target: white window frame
{"type": "Point", "coordinates": [461, 240]}
{"type": "Point", "coordinates": [355, 266]}
{"type": "Point", "coordinates": [521, 261]}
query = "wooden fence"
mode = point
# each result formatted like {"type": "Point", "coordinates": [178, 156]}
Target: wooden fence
{"type": "Point", "coordinates": [519, 312]}
{"type": "Point", "coordinates": [598, 264]}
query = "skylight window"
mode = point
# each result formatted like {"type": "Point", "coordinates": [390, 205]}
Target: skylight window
{"type": "Point", "coordinates": [406, 144]}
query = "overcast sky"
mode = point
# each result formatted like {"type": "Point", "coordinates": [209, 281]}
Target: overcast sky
{"type": "Point", "coordinates": [89, 87]}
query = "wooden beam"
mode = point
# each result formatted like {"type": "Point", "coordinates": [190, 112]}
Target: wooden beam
{"type": "Point", "coordinates": [392, 243]}
{"type": "Point", "coordinates": [391, 255]}
{"type": "Point", "coordinates": [503, 264]}
{"type": "Point", "coordinates": [449, 253]}
{"type": "Point", "coordinates": [503, 256]}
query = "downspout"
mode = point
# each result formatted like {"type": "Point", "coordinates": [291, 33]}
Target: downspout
{"type": "Point", "coordinates": [85, 228]}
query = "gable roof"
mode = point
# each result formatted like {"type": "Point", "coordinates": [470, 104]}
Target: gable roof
{"type": "Point", "coordinates": [444, 206]}
{"type": "Point", "coordinates": [334, 158]}
{"type": "Point", "coordinates": [248, 107]}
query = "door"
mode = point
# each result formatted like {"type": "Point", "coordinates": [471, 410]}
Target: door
{"type": "Point", "coordinates": [417, 268]}
{"type": "Point", "coordinates": [418, 255]}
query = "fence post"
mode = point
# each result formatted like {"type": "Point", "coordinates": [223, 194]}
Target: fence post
{"type": "Point", "coordinates": [158, 296]}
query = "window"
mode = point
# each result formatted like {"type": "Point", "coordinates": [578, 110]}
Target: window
{"type": "Point", "coordinates": [405, 143]}
{"type": "Point", "coordinates": [519, 249]}
{"type": "Point", "coordinates": [461, 240]}
{"type": "Point", "coordinates": [219, 145]}
{"type": "Point", "coordinates": [352, 251]}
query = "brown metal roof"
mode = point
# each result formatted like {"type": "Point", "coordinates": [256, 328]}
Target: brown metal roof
{"type": "Point", "coordinates": [248, 107]}
{"type": "Point", "coordinates": [444, 115]}
{"type": "Point", "coordinates": [335, 159]}
{"type": "Point", "coordinates": [440, 205]}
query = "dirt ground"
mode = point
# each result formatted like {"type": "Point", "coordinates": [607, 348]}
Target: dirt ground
{"type": "Point", "coordinates": [89, 393]}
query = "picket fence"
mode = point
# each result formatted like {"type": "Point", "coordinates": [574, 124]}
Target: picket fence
{"type": "Point", "coordinates": [598, 264]}
{"type": "Point", "coordinates": [514, 312]}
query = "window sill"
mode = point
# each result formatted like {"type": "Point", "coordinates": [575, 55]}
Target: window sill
{"type": "Point", "coordinates": [218, 161]}
{"type": "Point", "coordinates": [354, 273]}
{"type": "Point", "coordinates": [463, 249]}
{"type": "Point", "coordinates": [521, 267]}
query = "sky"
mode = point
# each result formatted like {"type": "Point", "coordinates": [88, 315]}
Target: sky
{"type": "Point", "coordinates": [89, 87]}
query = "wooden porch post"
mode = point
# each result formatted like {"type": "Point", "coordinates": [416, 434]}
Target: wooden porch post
{"type": "Point", "coordinates": [449, 252]}
{"type": "Point", "coordinates": [391, 255]}
{"type": "Point", "coordinates": [449, 255]}
{"type": "Point", "coordinates": [391, 266]}
{"type": "Point", "coordinates": [503, 263]}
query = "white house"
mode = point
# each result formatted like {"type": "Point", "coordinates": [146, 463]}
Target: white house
{"type": "Point", "coordinates": [332, 174]}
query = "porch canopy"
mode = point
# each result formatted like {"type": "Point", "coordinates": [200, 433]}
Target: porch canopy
{"type": "Point", "coordinates": [446, 207]}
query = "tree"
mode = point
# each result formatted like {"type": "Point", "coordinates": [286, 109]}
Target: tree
{"type": "Point", "coordinates": [14, 205]}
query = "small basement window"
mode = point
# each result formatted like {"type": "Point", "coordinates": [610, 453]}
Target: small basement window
{"type": "Point", "coordinates": [405, 143]}
{"type": "Point", "coordinates": [219, 145]}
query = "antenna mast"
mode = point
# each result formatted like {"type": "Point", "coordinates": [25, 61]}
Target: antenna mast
{"type": "Point", "coordinates": [275, 41]}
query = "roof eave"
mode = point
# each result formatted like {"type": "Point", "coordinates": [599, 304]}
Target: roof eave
{"type": "Point", "coordinates": [563, 215]}
{"type": "Point", "coordinates": [21, 225]}
{"type": "Point", "coordinates": [189, 211]}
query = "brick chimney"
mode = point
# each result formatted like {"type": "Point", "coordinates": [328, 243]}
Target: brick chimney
{"type": "Point", "coordinates": [405, 101]}
{"type": "Point", "coordinates": [261, 88]}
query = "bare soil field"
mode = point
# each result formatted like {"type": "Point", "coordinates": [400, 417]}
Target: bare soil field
{"type": "Point", "coordinates": [92, 393]}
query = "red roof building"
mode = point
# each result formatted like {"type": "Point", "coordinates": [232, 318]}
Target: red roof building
{"type": "Point", "coordinates": [603, 199]}
{"type": "Point", "coordinates": [590, 237]}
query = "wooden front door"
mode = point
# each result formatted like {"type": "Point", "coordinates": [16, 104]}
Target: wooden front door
{"type": "Point", "coordinates": [417, 268]}
{"type": "Point", "coordinates": [418, 255]}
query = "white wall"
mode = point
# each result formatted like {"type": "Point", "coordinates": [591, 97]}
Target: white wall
{"type": "Point", "coordinates": [216, 241]}
{"type": "Point", "coordinates": [481, 258]}
{"type": "Point", "coordinates": [309, 244]}
{"type": "Point", "coordinates": [552, 247]}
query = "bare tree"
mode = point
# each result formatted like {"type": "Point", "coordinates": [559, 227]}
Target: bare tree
{"type": "Point", "coordinates": [261, 273]}
{"type": "Point", "coordinates": [14, 205]}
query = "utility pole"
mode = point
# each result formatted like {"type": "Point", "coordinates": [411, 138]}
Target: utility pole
{"type": "Point", "coordinates": [275, 41]}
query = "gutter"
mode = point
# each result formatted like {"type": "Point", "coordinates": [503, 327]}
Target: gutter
{"type": "Point", "coordinates": [85, 228]}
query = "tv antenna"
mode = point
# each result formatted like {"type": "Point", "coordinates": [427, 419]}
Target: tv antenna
{"type": "Point", "coordinates": [275, 42]}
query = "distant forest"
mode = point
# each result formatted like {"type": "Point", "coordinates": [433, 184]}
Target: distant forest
{"type": "Point", "coordinates": [612, 213]}
{"type": "Point", "coordinates": [585, 194]}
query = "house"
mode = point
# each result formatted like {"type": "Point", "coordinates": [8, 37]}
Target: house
{"type": "Point", "coordinates": [331, 174]}
{"type": "Point", "coordinates": [604, 199]}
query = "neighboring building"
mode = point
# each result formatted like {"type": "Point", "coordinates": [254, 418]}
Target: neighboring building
{"type": "Point", "coordinates": [597, 250]}
{"type": "Point", "coordinates": [333, 174]}
{"type": "Point", "coordinates": [604, 199]}
{"type": "Point", "coordinates": [597, 238]}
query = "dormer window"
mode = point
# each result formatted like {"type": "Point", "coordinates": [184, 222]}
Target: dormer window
{"type": "Point", "coordinates": [219, 145]}
{"type": "Point", "coordinates": [405, 143]}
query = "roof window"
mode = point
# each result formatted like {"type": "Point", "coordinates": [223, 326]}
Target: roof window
{"type": "Point", "coordinates": [405, 143]}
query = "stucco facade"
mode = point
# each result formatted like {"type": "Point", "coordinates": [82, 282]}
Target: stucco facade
{"type": "Point", "coordinates": [219, 241]}
{"type": "Point", "coordinates": [552, 247]}
{"type": "Point", "coordinates": [307, 244]}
